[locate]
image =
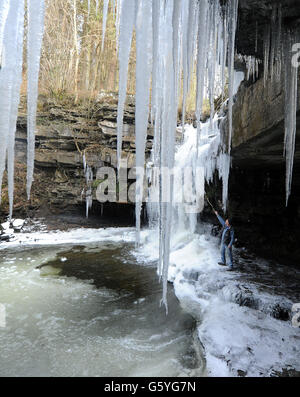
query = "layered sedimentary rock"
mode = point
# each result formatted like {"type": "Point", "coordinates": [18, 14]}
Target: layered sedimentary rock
{"type": "Point", "coordinates": [64, 135]}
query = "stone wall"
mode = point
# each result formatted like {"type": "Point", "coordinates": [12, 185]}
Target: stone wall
{"type": "Point", "coordinates": [63, 135]}
{"type": "Point", "coordinates": [257, 197]}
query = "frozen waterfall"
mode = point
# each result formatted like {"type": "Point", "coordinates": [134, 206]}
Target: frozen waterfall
{"type": "Point", "coordinates": [174, 38]}
{"type": "Point", "coordinates": [179, 30]}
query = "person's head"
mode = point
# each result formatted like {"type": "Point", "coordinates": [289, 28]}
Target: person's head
{"type": "Point", "coordinates": [227, 222]}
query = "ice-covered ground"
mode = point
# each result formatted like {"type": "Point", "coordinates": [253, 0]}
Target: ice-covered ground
{"type": "Point", "coordinates": [238, 312]}
{"type": "Point", "coordinates": [72, 236]}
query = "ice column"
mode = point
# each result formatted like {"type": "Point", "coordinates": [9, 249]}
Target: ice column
{"type": "Point", "coordinates": [34, 44]}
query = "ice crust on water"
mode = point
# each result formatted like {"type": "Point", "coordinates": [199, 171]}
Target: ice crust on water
{"type": "Point", "coordinates": [74, 236]}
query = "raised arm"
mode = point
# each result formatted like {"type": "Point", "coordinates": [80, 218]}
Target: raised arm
{"type": "Point", "coordinates": [221, 220]}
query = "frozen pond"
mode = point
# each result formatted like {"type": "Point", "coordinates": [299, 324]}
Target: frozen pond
{"type": "Point", "coordinates": [90, 310]}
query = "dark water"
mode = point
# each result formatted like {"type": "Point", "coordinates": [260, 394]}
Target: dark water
{"type": "Point", "coordinates": [91, 310]}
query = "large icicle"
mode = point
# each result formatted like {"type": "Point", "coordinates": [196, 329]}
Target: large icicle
{"type": "Point", "coordinates": [4, 7]}
{"type": "Point", "coordinates": [34, 44]}
{"type": "Point", "coordinates": [7, 44]}
{"type": "Point", "coordinates": [291, 95]}
{"type": "Point", "coordinates": [176, 43]}
{"type": "Point", "coordinates": [88, 172]}
{"type": "Point", "coordinates": [211, 66]}
{"type": "Point", "coordinates": [10, 80]}
{"type": "Point", "coordinates": [118, 19]}
{"type": "Point", "coordinates": [188, 45]}
{"type": "Point", "coordinates": [15, 99]}
{"type": "Point", "coordinates": [143, 77]}
{"type": "Point", "coordinates": [267, 39]}
{"type": "Point", "coordinates": [232, 15]}
{"type": "Point", "coordinates": [155, 64]}
{"type": "Point", "coordinates": [127, 17]}
{"type": "Point", "coordinates": [201, 59]}
{"type": "Point", "coordinates": [105, 11]}
{"type": "Point", "coordinates": [167, 148]}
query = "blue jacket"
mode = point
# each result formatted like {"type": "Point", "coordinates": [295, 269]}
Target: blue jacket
{"type": "Point", "coordinates": [228, 232]}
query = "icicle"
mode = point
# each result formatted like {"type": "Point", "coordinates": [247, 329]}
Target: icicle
{"type": "Point", "coordinates": [176, 43]}
{"type": "Point", "coordinates": [10, 82]}
{"type": "Point", "coordinates": [224, 162]}
{"type": "Point", "coordinates": [143, 76]}
{"type": "Point", "coordinates": [4, 7]}
{"type": "Point", "coordinates": [89, 191]}
{"type": "Point", "coordinates": [225, 43]}
{"type": "Point", "coordinates": [127, 17]}
{"type": "Point", "coordinates": [88, 173]}
{"type": "Point", "coordinates": [267, 39]}
{"type": "Point", "coordinates": [35, 37]}
{"type": "Point", "coordinates": [155, 32]}
{"type": "Point", "coordinates": [105, 11]}
{"type": "Point", "coordinates": [278, 51]}
{"type": "Point", "coordinates": [201, 56]}
{"type": "Point", "coordinates": [213, 41]}
{"type": "Point", "coordinates": [97, 6]}
{"type": "Point", "coordinates": [291, 95]}
{"type": "Point", "coordinates": [273, 40]}
{"type": "Point", "coordinates": [256, 37]}
{"type": "Point", "coordinates": [5, 83]}
{"type": "Point", "coordinates": [118, 19]}
{"type": "Point", "coordinates": [169, 122]}
{"type": "Point", "coordinates": [15, 104]}
{"type": "Point", "coordinates": [252, 66]}
{"type": "Point", "coordinates": [89, 8]}
{"type": "Point", "coordinates": [212, 58]}
{"type": "Point", "coordinates": [232, 14]}
{"type": "Point", "coordinates": [188, 46]}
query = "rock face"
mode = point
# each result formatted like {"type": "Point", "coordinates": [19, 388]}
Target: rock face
{"type": "Point", "coordinates": [254, 15]}
{"type": "Point", "coordinates": [63, 136]}
{"type": "Point", "coordinates": [257, 182]}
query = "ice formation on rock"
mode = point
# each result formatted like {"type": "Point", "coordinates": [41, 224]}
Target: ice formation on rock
{"type": "Point", "coordinates": [182, 33]}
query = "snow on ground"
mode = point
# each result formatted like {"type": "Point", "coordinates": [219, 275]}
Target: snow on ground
{"type": "Point", "coordinates": [236, 323]}
{"type": "Point", "coordinates": [74, 236]}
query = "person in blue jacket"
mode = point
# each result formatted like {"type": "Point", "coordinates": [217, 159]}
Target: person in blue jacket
{"type": "Point", "coordinates": [227, 241]}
